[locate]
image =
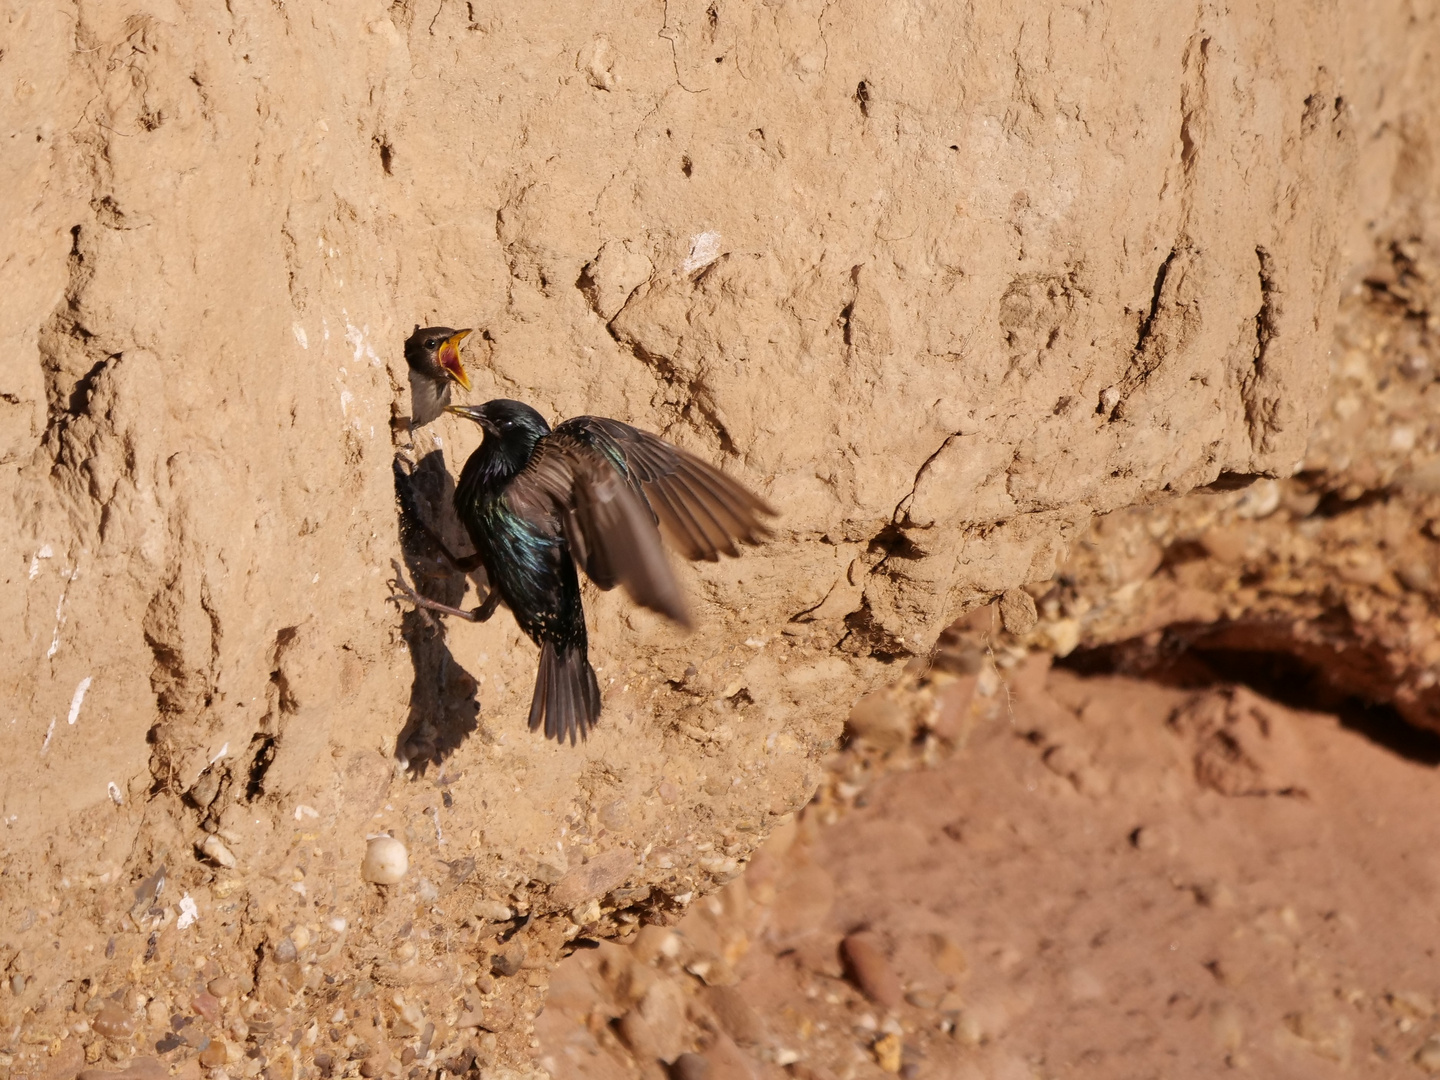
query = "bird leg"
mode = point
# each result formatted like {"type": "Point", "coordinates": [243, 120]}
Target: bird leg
{"type": "Point", "coordinates": [479, 614]}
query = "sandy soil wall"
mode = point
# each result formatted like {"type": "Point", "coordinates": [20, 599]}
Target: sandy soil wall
{"type": "Point", "coordinates": [942, 284]}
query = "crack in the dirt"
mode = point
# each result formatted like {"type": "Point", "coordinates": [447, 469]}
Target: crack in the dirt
{"type": "Point", "coordinates": [264, 747]}
{"type": "Point", "coordinates": [1266, 319]}
{"type": "Point", "coordinates": [1192, 105]}
{"type": "Point", "coordinates": [1147, 324]}
{"type": "Point", "coordinates": [1261, 413]}
{"type": "Point", "coordinates": [900, 517]}
{"type": "Point", "coordinates": [668, 34]}
{"type": "Point", "coordinates": [694, 393]}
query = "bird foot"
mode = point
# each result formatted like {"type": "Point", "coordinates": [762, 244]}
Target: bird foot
{"type": "Point", "coordinates": [404, 591]}
{"type": "Point", "coordinates": [424, 604]}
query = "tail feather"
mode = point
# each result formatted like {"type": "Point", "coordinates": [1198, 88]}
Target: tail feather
{"type": "Point", "coordinates": [567, 695]}
{"type": "Point", "coordinates": [542, 685]}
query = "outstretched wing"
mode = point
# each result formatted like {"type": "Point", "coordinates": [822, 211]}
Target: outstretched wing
{"type": "Point", "coordinates": [701, 511]}
{"type": "Point", "coordinates": [610, 529]}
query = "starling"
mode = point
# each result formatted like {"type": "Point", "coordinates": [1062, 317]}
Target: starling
{"type": "Point", "coordinates": [433, 353]}
{"type": "Point", "coordinates": [594, 493]}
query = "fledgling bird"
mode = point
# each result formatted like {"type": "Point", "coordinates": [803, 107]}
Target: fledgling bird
{"type": "Point", "coordinates": [593, 493]}
{"type": "Point", "coordinates": [433, 353]}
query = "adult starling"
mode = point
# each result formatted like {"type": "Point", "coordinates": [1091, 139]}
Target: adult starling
{"type": "Point", "coordinates": [433, 353]}
{"type": "Point", "coordinates": [594, 493]}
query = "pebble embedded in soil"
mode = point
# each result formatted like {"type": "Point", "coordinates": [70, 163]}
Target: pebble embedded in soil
{"type": "Point", "coordinates": [386, 861]}
{"type": "Point", "coordinates": [1017, 611]}
{"type": "Point", "coordinates": [113, 1022]}
{"type": "Point", "coordinates": [690, 1067]}
{"type": "Point", "coordinates": [207, 1006]}
{"type": "Point", "coordinates": [214, 849]}
{"type": "Point", "coordinates": [213, 1056]}
{"type": "Point", "coordinates": [735, 1014]}
{"type": "Point", "coordinates": [871, 970]}
{"type": "Point", "coordinates": [636, 1033]}
{"type": "Point", "coordinates": [493, 911]}
{"type": "Point", "coordinates": [888, 1050]}
{"type": "Point", "coordinates": [507, 962]}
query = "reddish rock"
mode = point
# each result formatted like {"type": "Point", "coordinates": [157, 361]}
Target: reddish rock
{"type": "Point", "coordinates": [735, 1015]}
{"type": "Point", "coordinates": [508, 960]}
{"type": "Point", "coordinates": [727, 1061]}
{"type": "Point", "coordinates": [213, 1056]}
{"type": "Point", "coordinates": [636, 1033]}
{"type": "Point", "coordinates": [113, 1022]}
{"type": "Point", "coordinates": [690, 1067]}
{"type": "Point", "coordinates": [870, 970]}
{"type": "Point", "coordinates": [597, 877]}
{"type": "Point", "coordinates": [207, 1006]}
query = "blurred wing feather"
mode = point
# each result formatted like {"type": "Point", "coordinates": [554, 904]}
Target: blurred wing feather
{"type": "Point", "coordinates": [609, 527]}
{"type": "Point", "coordinates": [701, 511]}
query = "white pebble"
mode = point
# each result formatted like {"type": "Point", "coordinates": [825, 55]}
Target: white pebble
{"type": "Point", "coordinates": [493, 911]}
{"type": "Point", "coordinates": [213, 848]}
{"type": "Point", "coordinates": [385, 861]}
{"type": "Point", "coordinates": [189, 912]}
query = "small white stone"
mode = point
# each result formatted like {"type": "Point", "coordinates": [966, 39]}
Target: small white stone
{"type": "Point", "coordinates": [189, 912]}
{"type": "Point", "coordinates": [385, 861]}
{"type": "Point", "coordinates": [493, 911]}
{"type": "Point", "coordinates": [213, 848]}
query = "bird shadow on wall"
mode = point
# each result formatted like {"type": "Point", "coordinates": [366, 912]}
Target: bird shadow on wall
{"type": "Point", "coordinates": [444, 711]}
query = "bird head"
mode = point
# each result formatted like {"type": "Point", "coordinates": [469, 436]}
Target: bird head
{"type": "Point", "coordinates": [435, 351]}
{"type": "Point", "coordinates": [505, 419]}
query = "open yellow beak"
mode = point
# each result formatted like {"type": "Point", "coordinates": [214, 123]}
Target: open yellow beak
{"type": "Point", "coordinates": [450, 358]}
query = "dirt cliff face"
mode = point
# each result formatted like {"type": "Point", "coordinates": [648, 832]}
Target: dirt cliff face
{"type": "Point", "coordinates": [940, 286]}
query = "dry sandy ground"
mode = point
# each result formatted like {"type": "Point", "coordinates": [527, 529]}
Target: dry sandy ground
{"type": "Point", "coordinates": [1095, 877]}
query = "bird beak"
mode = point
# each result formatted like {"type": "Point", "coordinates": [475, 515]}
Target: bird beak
{"type": "Point", "coordinates": [450, 358]}
{"type": "Point", "coordinates": [470, 412]}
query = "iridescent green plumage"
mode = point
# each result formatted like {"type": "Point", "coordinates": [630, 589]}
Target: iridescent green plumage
{"type": "Point", "coordinates": [594, 493]}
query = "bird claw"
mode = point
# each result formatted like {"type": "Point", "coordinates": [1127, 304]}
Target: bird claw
{"type": "Point", "coordinates": [426, 605]}
{"type": "Point", "coordinates": [407, 592]}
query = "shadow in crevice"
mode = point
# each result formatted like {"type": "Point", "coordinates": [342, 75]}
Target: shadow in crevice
{"type": "Point", "coordinates": [444, 710]}
{"type": "Point", "coordinates": [1190, 657]}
